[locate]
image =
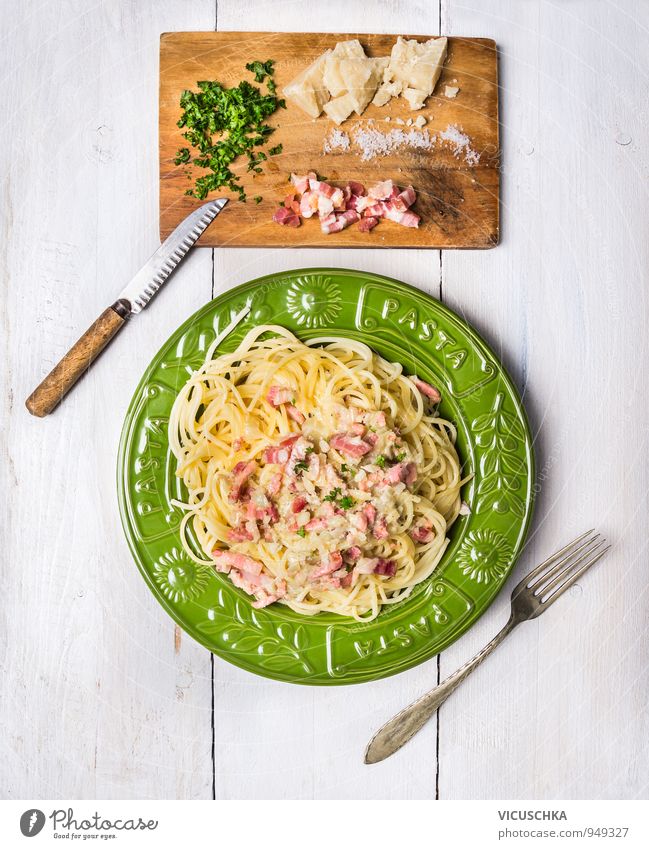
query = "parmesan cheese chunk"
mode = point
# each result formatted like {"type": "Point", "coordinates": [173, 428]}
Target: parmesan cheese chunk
{"type": "Point", "coordinates": [349, 49]}
{"type": "Point", "coordinates": [308, 90]}
{"type": "Point", "coordinates": [358, 77]}
{"type": "Point", "coordinates": [416, 97]}
{"type": "Point", "coordinates": [413, 71]}
{"type": "Point", "coordinates": [340, 108]}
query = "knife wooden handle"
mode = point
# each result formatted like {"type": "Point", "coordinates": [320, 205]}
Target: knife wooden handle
{"type": "Point", "coordinates": [78, 360]}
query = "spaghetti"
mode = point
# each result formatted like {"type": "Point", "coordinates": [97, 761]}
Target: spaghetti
{"type": "Point", "coordinates": [319, 475]}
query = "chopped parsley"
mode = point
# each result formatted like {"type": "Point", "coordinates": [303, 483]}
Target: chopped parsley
{"type": "Point", "coordinates": [183, 155]}
{"type": "Point", "coordinates": [380, 461]}
{"type": "Point", "coordinates": [222, 124]}
{"type": "Point", "coordinates": [334, 495]}
{"type": "Point", "coordinates": [401, 456]}
{"type": "Point", "coordinates": [277, 149]}
{"type": "Point", "coordinates": [261, 70]}
{"type": "Point", "coordinates": [257, 198]}
{"type": "Point", "coordinates": [345, 501]}
{"type": "Point", "coordinates": [300, 466]}
{"type": "Point", "coordinates": [310, 449]}
{"type": "Point", "coordinates": [301, 532]}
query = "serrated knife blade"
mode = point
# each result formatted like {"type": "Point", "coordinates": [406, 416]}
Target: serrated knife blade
{"type": "Point", "coordinates": [131, 301]}
{"type": "Point", "coordinates": [169, 255]}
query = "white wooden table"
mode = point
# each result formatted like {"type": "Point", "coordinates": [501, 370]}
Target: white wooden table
{"type": "Point", "coordinates": [101, 697]}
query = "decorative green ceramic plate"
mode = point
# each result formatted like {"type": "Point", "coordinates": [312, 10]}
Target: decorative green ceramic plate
{"type": "Point", "coordinates": [401, 324]}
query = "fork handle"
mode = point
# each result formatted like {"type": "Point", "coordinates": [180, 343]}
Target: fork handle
{"type": "Point", "coordinates": [395, 733]}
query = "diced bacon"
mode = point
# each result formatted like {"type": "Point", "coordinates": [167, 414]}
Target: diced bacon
{"type": "Point", "coordinates": [267, 514]}
{"type": "Point", "coordinates": [285, 215]}
{"type": "Point", "coordinates": [325, 206]}
{"type": "Point", "coordinates": [340, 222]}
{"type": "Point", "coordinates": [240, 474]}
{"type": "Point", "coordinates": [238, 443]}
{"type": "Point", "coordinates": [293, 413]}
{"type": "Point", "coordinates": [369, 511]}
{"type": "Point", "coordinates": [385, 567]}
{"type": "Point", "coordinates": [336, 205]}
{"type": "Point", "coordinates": [408, 196]}
{"type": "Point", "coordinates": [263, 598]}
{"type": "Point", "coordinates": [358, 429]}
{"type": "Point", "coordinates": [291, 202]}
{"type": "Point", "coordinates": [398, 204]}
{"type": "Point", "coordinates": [423, 533]}
{"type": "Point", "coordinates": [331, 224]}
{"type": "Point", "coordinates": [363, 202]}
{"type": "Point", "coordinates": [372, 438]}
{"type": "Point", "coordinates": [352, 446]}
{"type": "Point", "coordinates": [427, 389]}
{"type": "Point", "coordinates": [381, 191]}
{"type": "Point", "coordinates": [318, 524]}
{"type": "Point", "coordinates": [332, 564]}
{"type": "Point", "coordinates": [281, 453]}
{"type": "Point", "coordinates": [380, 528]}
{"type": "Point", "coordinates": [278, 395]}
{"type": "Point", "coordinates": [352, 554]}
{"type": "Point", "coordinates": [240, 534]}
{"type": "Point", "coordinates": [406, 218]}
{"type": "Point", "coordinates": [226, 560]}
{"type": "Point", "coordinates": [377, 211]}
{"type": "Point", "coordinates": [367, 224]}
{"type": "Point", "coordinates": [352, 202]}
{"type": "Point", "coordinates": [366, 565]}
{"type": "Point", "coordinates": [301, 183]}
{"type": "Point", "coordinates": [308, 204]}
{"type": "Point", "coordinates": [322, 188]}
{"type": "Point", "coordinates": [348, 217]}
{"type": "Point", "coordinates": [359, 521]}
{"type": "Point", "coordinates": [338, 199]}
{"type": "Point", "coordinates": [275, 484]}
{"type": "Point", "coordinates": [401, 473]}
{"type": "Point", "coordinates": [298, 504]}
{"type": "Point", "coordinates": [346, 580]}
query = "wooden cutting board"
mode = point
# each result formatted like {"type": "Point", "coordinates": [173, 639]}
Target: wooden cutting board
{"type": "Point", "coordinates": [457, 201]}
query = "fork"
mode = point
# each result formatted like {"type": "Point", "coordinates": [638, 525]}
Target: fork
{"type": "Point", "coordinates": [530, 598]}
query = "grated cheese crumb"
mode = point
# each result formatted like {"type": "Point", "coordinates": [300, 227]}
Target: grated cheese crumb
{"type": "Point", "coordinates": [460, 144]}
{"type": "Point", "coordinates": [336, 140]}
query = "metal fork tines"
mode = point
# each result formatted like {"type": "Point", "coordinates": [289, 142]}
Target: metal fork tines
{"type": "Point", "coordinates": [545, 584]}
{"type": "Point", "coordinates": [533, 595]}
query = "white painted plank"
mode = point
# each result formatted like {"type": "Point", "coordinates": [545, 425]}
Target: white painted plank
{"type": "Point", "coordinates": [559, 712]}
{"type": "Point", "coordinates": [277, 740]}
{"type": "Point", "coordinates": [96, 700]}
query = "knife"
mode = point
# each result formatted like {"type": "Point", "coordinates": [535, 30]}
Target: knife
{"type": "Point", "coordinates": [131, 301]}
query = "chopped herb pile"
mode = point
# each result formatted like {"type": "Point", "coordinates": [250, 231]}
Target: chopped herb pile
{"type": "Point", "coordinates": [222, 124]}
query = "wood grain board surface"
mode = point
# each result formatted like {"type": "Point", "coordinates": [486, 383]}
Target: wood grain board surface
{"type": "Point", "coordinates": [457, 201]}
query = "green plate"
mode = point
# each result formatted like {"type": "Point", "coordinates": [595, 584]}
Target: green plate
{"type": "Point", "coordinates": [494, 442]}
